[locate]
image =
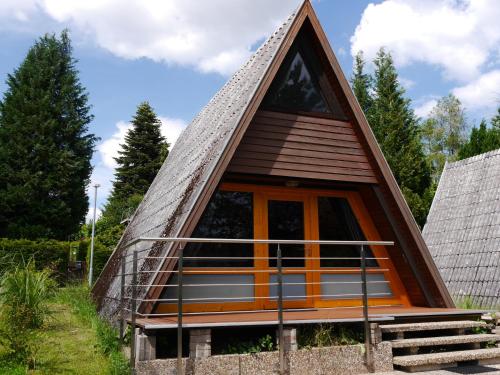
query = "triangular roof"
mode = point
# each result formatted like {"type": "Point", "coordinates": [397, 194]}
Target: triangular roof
{"type": "Point", "coordinates": [189, 176]}
{"type": "Point", "coordinates": [463, 228]}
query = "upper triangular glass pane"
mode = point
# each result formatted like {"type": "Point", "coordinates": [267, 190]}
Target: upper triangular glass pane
{"type": "Point", "coordinates": [296, 89]}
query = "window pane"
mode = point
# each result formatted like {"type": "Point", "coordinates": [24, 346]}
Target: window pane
{"type": "Point", "coordinates": [229, 214]}
{"type": "Point", "coordinates": [200, 289]}
{"type": "Point", "coordinates": [286, 222]}
{"type": "Point", "coordinates": [295, 89]}
{"type": "Point", "coordinates": [294, 287]}
{"type": "Point", "coordinates": [348, 286]}
{"type": "Point", "coordinates": [338, 223]}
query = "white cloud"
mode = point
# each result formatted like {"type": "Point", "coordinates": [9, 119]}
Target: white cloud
{"type": "Point", "coordinates": [109, 147]}
{"type": "Point", "coordinates": [171, 128]}
{"type": "Point", "coordinates": [425, 108]}
{"type": "Point", "coordinates": [406, 82]}
{"type": "Point", "coordinates": [212, 36]}
{"type": "Point", "coordinates": [90, 213]}
{"type": "Point", "coordinates": [481, 93]}
{"type": "Point", "coordinates": [459, 36]}
{"type": "Point", "coordinates": [103, 173]}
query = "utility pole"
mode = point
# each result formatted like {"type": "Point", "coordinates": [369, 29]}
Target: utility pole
{"type": "Point", "coordinates": [91, 268]}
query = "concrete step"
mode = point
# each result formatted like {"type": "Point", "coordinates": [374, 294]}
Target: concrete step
{"type": "Point", "coordinates": [425, 362]}
{"type": "Point", "coordinates": [444, 340]}
{"type": "Point", "coordinates": [429, 326]}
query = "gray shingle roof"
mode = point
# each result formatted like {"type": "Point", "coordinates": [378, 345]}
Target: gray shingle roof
{"type": "Point", "coordinates": [174, 191]}
{"type": "Point", "coordinates": [463, 228]}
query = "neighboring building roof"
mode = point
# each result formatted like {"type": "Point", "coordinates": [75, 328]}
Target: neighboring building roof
{"type": "Point", "coordinates": [183, 175]}
{"type": "Point", "coordinates": [463, 228]}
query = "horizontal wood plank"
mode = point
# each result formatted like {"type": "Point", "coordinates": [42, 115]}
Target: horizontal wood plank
{"type": "Point", "coordinates": [302, 146]}
{"type": "Point", "coordinates": [257, 148]}
{"type": "Point", "coordinates": [302, 174]}
{"type": "Point", "coordinates": [304, 132]}
{"type": "Point", "coordinates": [302, 139]}
{"type": "Point", "coordinates": [301, 167]}
{"type": "Point", "coordinates": [285, 144]}
{"type": "Point", "coordinates": [294, 158]}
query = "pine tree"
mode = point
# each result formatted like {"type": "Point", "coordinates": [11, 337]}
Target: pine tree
{"type": "Point", "coordinates": [361, 84]}
{"type": "Point", "coordinates": [481, 140]}
{"type": "Point", "coordinates": [141, 155]}
{"type": "Point", "coordinates": [45, 147]}
{"type": "Point", "coordinates": [396, 129]}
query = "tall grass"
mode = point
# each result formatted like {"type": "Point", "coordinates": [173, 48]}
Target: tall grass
{"type": "Point", "coordinates": [78, 298]}
{"type": "Point", "coordinates": [24, 295]}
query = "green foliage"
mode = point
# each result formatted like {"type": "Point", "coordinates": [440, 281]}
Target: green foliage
{"type": "Point", "coordinates": [443, 133]}
{"type": "Point", "coordinates": [45, 147]}
{"type": "Point", "coordinates": [263, 344]}
{"type": "Point", "coordinates": [115, 211]}
{"type": "Point", "coordinates": [46, 254]}
{"type": "Point", "coordinates": [320, 335]}
{"type": "Point", "coordinates": [362, 84]}
{"type": "Point", "coordinates": [141, 155]}
{"type": "Point", "coordinates": [24, 293]}
{"type": "Point", "coordinates": [481, 140]}
{"type": "Point", "coordinates": [466, 303]}
{"type": "Point", "coordinates": [396, 128]}
{"type": "Point", "coordinates": [79, 299]}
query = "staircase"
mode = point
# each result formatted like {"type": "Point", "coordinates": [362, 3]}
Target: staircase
{"type": "Point", "coordinates": [435, 345]}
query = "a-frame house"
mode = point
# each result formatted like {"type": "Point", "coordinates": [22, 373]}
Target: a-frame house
{"type": "Point", "coordinates": [282, 151]}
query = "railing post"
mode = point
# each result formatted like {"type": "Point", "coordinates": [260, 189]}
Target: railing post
{"type": "Point", "coordinates": [368, 346]}
{"type": "Point", "coordinates": [122, 299]}
{"type": "Point", "coordinates": [180, 267]}
{"type": "Point", "coordinates": [133, 311]}
{"type": "Point", "coordinates": [280, 311]}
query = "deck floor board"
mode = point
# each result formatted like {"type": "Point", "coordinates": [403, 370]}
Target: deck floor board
{"type": "Point", "coordinates": [303, 316]}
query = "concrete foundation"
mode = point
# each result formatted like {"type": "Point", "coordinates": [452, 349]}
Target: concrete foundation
{"type": "Point", "coordinates": [289, 339]}
{"type": "Point", "coordinates": [329, 360]}
{"type": "Point", "coordinates": [145, 349]}
{"type": "Point", "coordinates": [200, 343]}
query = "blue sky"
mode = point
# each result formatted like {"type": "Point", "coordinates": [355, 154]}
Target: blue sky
{"type": "Point", "coordinates": [177, 53]}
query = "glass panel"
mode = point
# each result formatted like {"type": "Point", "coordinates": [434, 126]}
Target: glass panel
{"type": "Point", "coordinates": [286, 222]}
{"type": "Point", "coordinates": [295, 89]}
{"type": "Point", "coordinates": [337, 222]}
{"type": "Point", "coordinates": [294, 287]}
{"type": "Point", "coordinates": [229, 214]}
{"type": "Point", "coordinates": [348, 286]}
{"type": "Point", "coordinates": [241, 289]}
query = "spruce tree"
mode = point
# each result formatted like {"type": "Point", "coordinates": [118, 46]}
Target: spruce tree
{"type": "Point", "coordinates": [481, 140]}
{"type": "Point", "coordinates": [141, 155]}
{"type": "Point", "coordinates": [45, 146]}
{"type": "Point", "coordinates": [396, 129]}
{"type": "Point", "coordinates": [361, 84]}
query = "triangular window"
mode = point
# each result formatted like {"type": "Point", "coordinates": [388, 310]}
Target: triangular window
{"type": "Point", "coordinates": [296, 87]}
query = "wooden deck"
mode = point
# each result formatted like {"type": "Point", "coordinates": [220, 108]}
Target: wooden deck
{"type": "Point", "coordinates": [306, 316]}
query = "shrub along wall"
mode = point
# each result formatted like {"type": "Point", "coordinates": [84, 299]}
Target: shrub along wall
{"type": "Point", "coordinates": [47, 254]}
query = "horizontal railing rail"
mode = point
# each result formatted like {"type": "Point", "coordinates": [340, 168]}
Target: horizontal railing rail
{"type": "Point", "coordinates": [130, 303]}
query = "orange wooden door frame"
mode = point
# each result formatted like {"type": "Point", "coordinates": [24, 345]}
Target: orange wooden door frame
{"type": "Point", "coordinates": [312, 270]}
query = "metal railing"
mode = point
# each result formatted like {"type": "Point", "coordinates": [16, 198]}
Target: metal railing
{"type": "Point", "coordinates": [180, 272]}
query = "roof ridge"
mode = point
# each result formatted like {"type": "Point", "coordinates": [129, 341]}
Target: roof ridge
{"type": "Point", "coordinates": [472, 159]}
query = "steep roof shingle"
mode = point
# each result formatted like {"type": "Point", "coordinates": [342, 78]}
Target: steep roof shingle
{"type": "Point", "coordinates": [463, 228]}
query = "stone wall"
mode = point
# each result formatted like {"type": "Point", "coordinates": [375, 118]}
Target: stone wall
{"type": "Point", "coordinates": [329, 360]}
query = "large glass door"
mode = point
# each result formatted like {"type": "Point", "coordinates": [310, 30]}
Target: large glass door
{"type": "Point", "coordinates": [287, 219]}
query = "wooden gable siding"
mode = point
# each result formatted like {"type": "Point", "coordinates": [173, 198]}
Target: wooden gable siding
{"type": "Point", "coordinates": [283, 144]}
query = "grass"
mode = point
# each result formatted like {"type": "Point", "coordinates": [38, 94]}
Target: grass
{"type": "Point", "coordinates": [74, 340]}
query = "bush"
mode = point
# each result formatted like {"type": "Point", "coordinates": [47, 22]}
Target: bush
{"type": "Point", "coordinates": [47, 254]}
{"type": "Point", "coordinates": [320, 335]}
{"type": "Point", "coordinates": [24, 292]}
